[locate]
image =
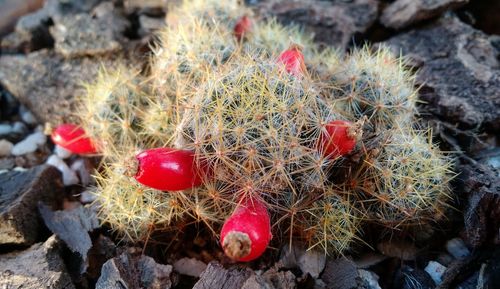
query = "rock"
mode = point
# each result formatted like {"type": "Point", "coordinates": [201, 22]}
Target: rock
{"type": "Point", "coordinates": [20, 193]}
{"type": "Point", "coordinates": [134, 270]}
{"type": "Point", "coordinates": [7, 163]}
{"type": "Point", "coordinates": [87, 197]}
{"type": "Point", "coordinates": [340, 273]}
{"type": "Point", "coordinates": [403, 250]}
{"type": "Point", "coordinates": [456, 247]}
{"type": "Point", "coordinates": [61, 152]}
{"type": "Point", "coordinates": [39, 266]}
{"type": "Point", "coordinates": [5, 129]}
{"type": "Point", "coordinates": [369, 259]}
{"type": "Point", "coordinates": [19, 128]}
{"type": "Point", "coordinates": [412, 278]}
{"type": "Point", "coordinates": [5, 147]}
{"type": "Point", "coordinates": [279, 279]}
{"type": "Point", "coordinates": [435, 270]}
{"type": "Point", "coordinates": [332, 22]}
{"type": "Point", "coordinates": [145, 5]}
{"type": "Point", "coordinates": [481, 186]}
{"type": "Point", "coordinates": [81, 35]}
{"type": "Point", "coordinates": [369, 278]}
{"type": "Point", "coordinates": [42, 79]}
{"type": "Point", "coordinates": [83, 168]}
{"type": "Point", "coordinates": [217, 277]}
{"type": "Point", "coordinates": [312, 262]}
{"type": "Point", "coordinates": [148, 25]}
{"type": "Point", "coordinates": [27, 116]}
{"type": "Point", "coordinates": [309, 261]}
{"type": "Point", "coordinates": [69, 176]}
{"type": "Point", "coordinates": [402, 13]}
{"type": "Point", "coordinates": [30, 144]}
{"type": "Point", "coordinates": [490, 157]}
{"type": "Point", "coordinates": [190, 267]}
{"type": "Point", "coordinates": [101, 251]}
{"type": "Point", "coordinates": [73, 227]}
{"type": "Point", "coordinates": [459, 70]}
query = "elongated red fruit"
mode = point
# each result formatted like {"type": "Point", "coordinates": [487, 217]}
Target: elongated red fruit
{"type": "Point", "coordinates": [167, 169]}
{"type": "Point", "coordinates": [293, 59]}
{"type": "Point", "coordinates": [247, 232]}
{"type": "Point", "coordinates": [73, 138]}
{"type": "Point", "coordinates": [242, 27]}
{"type": "Point", "coordinates": [340, 138]}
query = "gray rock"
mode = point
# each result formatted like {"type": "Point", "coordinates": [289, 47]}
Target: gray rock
{"type": "Point", "coordinates": [27, 116]}
{"type": "Point", "coordinates": [402, 13]}
{"type": "Point", "coordinates": [73, 227]}
{"type": "Point", "coordinates": [20, 192]}
{"type": "Point", "coordinates": [42, 79]}
{"type": "Point", "coordinates": [457, 248]}
{"type": "Point", "coordinates": [148, 25]}
{"type": "Point", "coordinates": [30, 144]}
{"type": "Point", "coordinates": [413, 278]}
{"type": "Point", "coordinates": [189, 267]}
{"type": "Point", "coordinates": [134, 270]}
{"type": "Point", "coordinates": [5, 147]}
{"type": "Point", "coordinates": [459, 71]}
{"type": "Point", "coordinates": [82, 35]}
{"type": "Point", "coordinates": [5, 129]}
{"type": "Point", "coordinates": [217, 277]}
{"type": "Point", "coordinates": [340, 273]}
{"type": "Point", "coordinates": [332, 22]}
{"type": "Point", "coordinates": [69, 176]}
{"type": "Point", "coordinates": [280, 279]}
{"type": "Point", "coordinates": [370, 279]}
{"type": "Point", "coordinates": [61, 152]}
{"type": "Point", "coordinates": [312, 262]}
{"type": "Point", "coordinates": [40, 266]}
{"type": "Point", "coordinates": [435, 270]}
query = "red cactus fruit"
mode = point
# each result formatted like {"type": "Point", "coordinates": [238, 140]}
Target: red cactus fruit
{"type": "Point", "coordinates": [340, 138]}
{"type": "Point", "coordinates": [73, 138]}
{"type": "Point", "coordinates": [293, 59]}
{"type": "Point", "coordinates": [247, 232]}
{"type": "Point", "coordinates": [167, 169]}
{"type": "Point", "coordinates": [242, 27]}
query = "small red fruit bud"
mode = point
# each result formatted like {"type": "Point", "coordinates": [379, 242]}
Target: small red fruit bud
{"type": "Point", "coordinates": [293, 59]}
{"type": "Point", "coordinates": [167, 169]}
{"type": "Point", "coordinates": [247, 232]}
{"type": "Point", "coordinates": [73, 138]}
{"type": "Point", "coordinates": [242, 27]}
{"type": "Point", "coordinates": [340, 138]}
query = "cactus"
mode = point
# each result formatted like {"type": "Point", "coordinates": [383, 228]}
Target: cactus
{"type": "Point", "coordinates": [324, 145]}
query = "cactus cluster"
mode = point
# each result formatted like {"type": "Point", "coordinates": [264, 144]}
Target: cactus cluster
{"type": "Point", "coordinates": [260, 131]}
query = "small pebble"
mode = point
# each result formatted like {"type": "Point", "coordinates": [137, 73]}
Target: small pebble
{"type": "Point", "coordinates": [436, 271]}
{"type": "Point", "coordinates": [62, 152]}
{"type": "Point", "coordinates": [80, 168]}
{"type": "Point", "coordinates": [27, 116]}
{"type": "Point", "coordinates": [69, 176]}
{"type": "Point", "coordinates": [189, 267]}
{"type": "Point", "coordinates": [370, 278]}
{"type": "Point", "coordinates": [5, 129]}
{"type": "Point", "coordinates": [29, 144]}
{"type": "Point", "coordinates": [19, 128]}
{"type": "Point", "coordinates": [87, 197]}
{"type": "Point", "coordinates": [312, 262]}
{"type": "Point", "coordinates": [456, 247]}
{"type": "Point", "coordinates": [5, 147]}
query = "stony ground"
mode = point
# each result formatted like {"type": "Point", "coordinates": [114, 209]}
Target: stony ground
{"type": "Point", "coordinates": [50, 236]}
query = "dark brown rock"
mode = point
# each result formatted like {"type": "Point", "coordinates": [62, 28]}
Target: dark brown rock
{"type": "Point", "coordinates": [217, 277]}
{"type": "Point", "coordinates": [134, 270]}
{"type": "Point", "coordinates": [48, 84]}
{"type": "Point", "coordinates": [332, 22]}
{"type": "Point", "coordinates": [403, 13]}
{"type": "Point", "coordinates": [459, 71]}
{"type": "Point", "coordinates": [40, 266]}
{"type": "Point", "coordinates": [20, 193]}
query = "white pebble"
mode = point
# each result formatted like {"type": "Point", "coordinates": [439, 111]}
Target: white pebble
{"type": "Point", "coordinates": [436, 271]}
{"type": "Point", "coordinates": [5, 129]}
{"type": "Point", "coordinates": [19, 128]}
{"type": "Point", "coordinates": [81, 170]}
{"type": "Point", "coordinates": [29, 144]}
{"type": "Point", "coordinates": [69, 176]}
{"type": "Point", "coordinates": [370, 278]}
{"type": "Point", "coordinates": [312, 262]}
{"type": "Point", "coordinates": [456, 247]}
{"type": "Point", "coordinates": [87, 197]}
{"type": "Point", "coordinates": [62, 152]}
{"type": "Point", "coordinates": [27, 116]}
{"type": "Point", "coordinates": [189, 267]}
{"type": "Point", "coordinates": [5, 147]}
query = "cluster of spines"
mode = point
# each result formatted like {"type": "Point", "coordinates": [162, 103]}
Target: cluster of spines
{"type": "Point", "coordinates": [230, 102]}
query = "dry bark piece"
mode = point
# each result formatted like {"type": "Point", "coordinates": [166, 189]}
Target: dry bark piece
{"type": "Point", "coordinates": [134, 270]}
{"type": "Point", "coordinates": [43, 78]}
{"type": "Point", "coordinates": [20, 193]}
{"type": "Point", "coordinates": [332, 22]}
{"type": "Point", "coordinates": [459, 69]}
{"type": "Point", "coordinates": [39, 266]}
{"type": "Point", "coordinates": [403, 13]}
{"type": "Point", "coordinates": [217, 277]}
